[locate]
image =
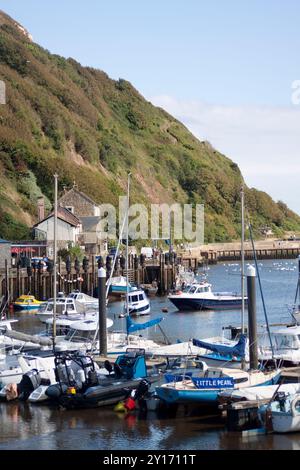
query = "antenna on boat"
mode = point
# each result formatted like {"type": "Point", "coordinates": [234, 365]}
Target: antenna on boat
{"type": "Point", "coordinates": [55, 259]}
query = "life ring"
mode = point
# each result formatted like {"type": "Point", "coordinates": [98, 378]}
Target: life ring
{"type": "Point", "coordinates": [294, 409]}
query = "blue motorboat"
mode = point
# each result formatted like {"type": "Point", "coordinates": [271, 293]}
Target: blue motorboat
{"type": "Point", "coordinates": [118, 285]}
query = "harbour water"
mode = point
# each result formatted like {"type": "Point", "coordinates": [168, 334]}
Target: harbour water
{"type": "Point", "coordinates": [25, 426]}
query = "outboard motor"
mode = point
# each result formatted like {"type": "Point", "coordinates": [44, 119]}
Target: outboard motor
{"type": "Point", "coordinates": [118, 371]}
{"type": "Point", "coordinates": [142, 389]}
{"type": "Point", "coordinates": [30, 381]}
{"type": "Point", "coordinates": [92, 379]}
{"type": "Point", "coordinates": [281, 398]}
{"type": "Point", "coordinates": [108, 366]}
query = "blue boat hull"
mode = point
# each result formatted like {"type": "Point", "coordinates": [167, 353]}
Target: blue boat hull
{"type": "Point", "coordinates": [117, 290]}
{"type": "Point", "coordinates": [26, 307]}
{"type": "Point", "coordinates": [206, 304]}
{"type": "Point", "coordinates": [209, 396]}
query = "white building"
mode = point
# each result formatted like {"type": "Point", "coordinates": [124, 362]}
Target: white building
{"type": "Point", "coordinates": [68, 228]}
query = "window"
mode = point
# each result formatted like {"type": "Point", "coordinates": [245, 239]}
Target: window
{"type": "Point", "coordinates": [141, 297]}
{"type": "Point", "coordinates": [286, 341]}
{"type": "Point", "coordinates": [134, 298]}
{"type": "Point", "coordinates": [70, 209]}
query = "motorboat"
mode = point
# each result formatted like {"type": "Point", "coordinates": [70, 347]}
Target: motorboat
{"type": "Point", "coordinates": [150, 289]}
{"type": "Point", "coordinates": [138, 302]}
{"type": "Point", "coordinates": [80, 385]}
{"type": "Point", "coordinates": [117, 285]}
{"type": "Point", "coordinates": [84, 299]}
{"type": "Point", "coordinates": [199, 296]}
{"type": "Point", "coordinates": [14, 366]}
{"type": "Point", "coordinates": [286, 346]}
{"type": "Point", "coordinates": [64, 306]}
{"type": "Point", "coordinates": [80, 335]}
{"type": "Point", "coordinates": [184, 277]}
{"type": "Point", "coordinates": [27, 302]}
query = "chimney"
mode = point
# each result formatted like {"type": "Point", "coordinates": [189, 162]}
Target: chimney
{"type": "Point", "coordinates": [41, 209]}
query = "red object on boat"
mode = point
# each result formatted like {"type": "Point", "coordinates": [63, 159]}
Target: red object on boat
{"type": "Point", "coordinates": [129, 404]}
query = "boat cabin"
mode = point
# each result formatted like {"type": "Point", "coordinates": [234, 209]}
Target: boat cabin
{"type": "Point", "coordinates": [199, 288]}
{"type": "Point", "coordinates": [284, 339]}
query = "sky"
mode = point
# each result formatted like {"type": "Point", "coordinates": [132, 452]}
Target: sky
{"type": "Point", "coordinates": [224, 68]}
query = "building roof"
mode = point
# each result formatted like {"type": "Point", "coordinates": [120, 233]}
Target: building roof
{"type": "Point", "coordinates": [63, 214]}
{"type": "Point", "coordinates": [84, 196]}
{"type": "Point", "coordinates": [89, 224]}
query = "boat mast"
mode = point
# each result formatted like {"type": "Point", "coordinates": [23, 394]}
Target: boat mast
{"type": "Point", "coordinates": [243, 258]}
{"type": "Point", "coordinates": [55, 259]}
{"type": "Point", "coordinates": [127, 229]}
{"type": "Point", "coordinates": [243, 365]}
{"type": "Point", "coordinates": [297, 295]}
{"type": "Point", "coordinates": [261, 290]}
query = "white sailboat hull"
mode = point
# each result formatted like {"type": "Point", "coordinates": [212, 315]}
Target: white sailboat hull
{"type": "Point", "coordinates": [283, 423]}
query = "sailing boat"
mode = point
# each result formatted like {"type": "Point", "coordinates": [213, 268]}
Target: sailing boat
{"type": "Point", "coordinates": [136, 301]}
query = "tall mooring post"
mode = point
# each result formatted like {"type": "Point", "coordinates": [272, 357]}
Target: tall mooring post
{"type": "Point", "coordinates": [102, 311]}
{"type": "Point", "coordinates": [252, 324]}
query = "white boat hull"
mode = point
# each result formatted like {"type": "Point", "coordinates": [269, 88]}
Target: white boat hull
{"type": "Point", "coordinates": [283, 423]}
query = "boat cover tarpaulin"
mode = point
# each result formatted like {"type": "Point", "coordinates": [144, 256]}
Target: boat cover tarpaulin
{"type": "Point", "coordinates": [132, 327]}
{"type": "Point", "coordinates": [236, 350]}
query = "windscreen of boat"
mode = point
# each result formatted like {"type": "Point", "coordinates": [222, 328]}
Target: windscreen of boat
{"type": "Point", "coordinates": [48, 307]}
{"type": "Point", "coordinates": [286, 341]}
{"type": "Point", "coordinates": [133, 298]}
{"type": "Point", "coordinates": [192, 290]}
{"type": "Point", "coordinates": [79, 336]}
{"type": "Point", "coordinates": [61, 330]}
{"type": "Point", "coordinates": [202, 289]}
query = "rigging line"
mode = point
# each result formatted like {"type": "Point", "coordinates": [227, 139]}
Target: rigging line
{"type": "Point", "coordinates": [260, 288]}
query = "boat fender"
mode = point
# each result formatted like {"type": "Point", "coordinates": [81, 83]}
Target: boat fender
{"type": "Point", "coordinates": [120, 407]}
{"type": "Point", "coordinates": [295, 405]}
{"type": "Point", "coordinates": [11, 391]}
{"type": "Point", "coordinates": [129, 404]}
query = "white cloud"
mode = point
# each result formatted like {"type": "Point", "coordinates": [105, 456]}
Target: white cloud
{"type": "Point", "coordinates": [264, 141]}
